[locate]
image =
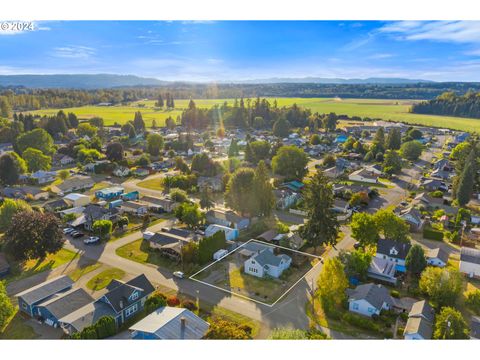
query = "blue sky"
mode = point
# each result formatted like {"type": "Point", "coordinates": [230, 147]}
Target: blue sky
{"type": "Point", "coordinates": [241, 50]}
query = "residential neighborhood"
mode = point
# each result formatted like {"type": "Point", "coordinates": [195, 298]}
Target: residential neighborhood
{"type": "Point", "coordinates": [239, 212]}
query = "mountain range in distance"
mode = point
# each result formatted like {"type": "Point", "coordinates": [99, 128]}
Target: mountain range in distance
{"type": "Point", "coordinates": [96, 81]}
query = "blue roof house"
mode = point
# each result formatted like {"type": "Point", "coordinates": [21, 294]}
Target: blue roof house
{"type": "Point", "coordinates": [109, 193]}
{"type": "Point", "coordinates": [29, 299]}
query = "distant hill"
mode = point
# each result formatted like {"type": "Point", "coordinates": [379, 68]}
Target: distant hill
{"type": "Point", "coordinates": [316, 80]}
{"type": "Point", "coordinates": [77, 81]}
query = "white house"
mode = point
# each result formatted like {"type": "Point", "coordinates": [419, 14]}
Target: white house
{"type": "Point", "coordinates": [363, 175]}
{"type": "Point", "coordinates": [43, 177]}
{"type": "Point", "coordinates": [369, 299]}
{"type": "Point", "coordinates": [394, 251]}
{"type": "Point", "coordinates": [121, 171]}
{"type": "Point", "coordinates": [66, 160]}
{"type": "Point", "coordinates": [266, 263]}
{"type": "Point", "coordinates": [470, 261]}
{"type": "Point", "coordinates": [230, 234]}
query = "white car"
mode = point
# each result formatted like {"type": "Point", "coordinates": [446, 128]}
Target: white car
{"type": "Point", "coordinates": [91, 240]}
{"type": "Point", "coordinates": [178, 274]}
{"type": "Point", "coordinates": [68, 230]}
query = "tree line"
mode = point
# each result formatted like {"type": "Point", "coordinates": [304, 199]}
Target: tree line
{"type": "Point", "coordinates": [449, 103]}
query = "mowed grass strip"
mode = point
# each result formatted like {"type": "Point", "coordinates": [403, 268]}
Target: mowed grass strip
{"type": "Point", "coordinates": [396, 110]}
{"type": "Point", "coordinates": [80, 271]}
{"type": "Point", "coordinates": [101, 281]}
{"type": "Point", "coordinates": [152, 184]}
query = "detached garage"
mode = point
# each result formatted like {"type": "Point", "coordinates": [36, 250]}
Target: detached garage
{"type": "Point", "coordinates": [470, 261]}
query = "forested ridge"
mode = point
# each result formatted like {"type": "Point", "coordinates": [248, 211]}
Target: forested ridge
{"type": "Point", "coordinates": [25, 99]}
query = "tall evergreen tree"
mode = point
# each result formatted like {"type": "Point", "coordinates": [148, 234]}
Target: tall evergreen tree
{"type": "Point", "coordinates": [394, 139]}
{"type": "Point", "coordinates": [138, 122]}
{"type": "Point", "coordinates": [322, 225]}
{"type": "Point", "coordinates": [263, 190]}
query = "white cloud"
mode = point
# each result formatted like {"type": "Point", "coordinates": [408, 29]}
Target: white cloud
{"type": "Point", "coordinates": [381, 56]}
{"type": "Point", "coordinates": [74, 52]}
{"type": "Point", "coordinates": [462, 32]}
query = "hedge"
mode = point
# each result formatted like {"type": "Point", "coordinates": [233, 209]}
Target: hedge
{"type": "Point", "coordinates": [103, 328]}
{"type": "Point", "coordinates": [360, 322]}
{"type": "Point", "coordinates": [432, 234]}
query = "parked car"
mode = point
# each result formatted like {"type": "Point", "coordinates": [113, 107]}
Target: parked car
{"type": "Point", "coordinates": [68, 230]}
{"type": "Point", "coordinates": [178, 274]}
{"type": "Point", "coordinates": [91, 240]}
{"type": "Point", "coordinates": [77, 235]}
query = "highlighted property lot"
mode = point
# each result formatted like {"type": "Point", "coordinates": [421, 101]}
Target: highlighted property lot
{"type": "Point", "coordinates": [258, 271]}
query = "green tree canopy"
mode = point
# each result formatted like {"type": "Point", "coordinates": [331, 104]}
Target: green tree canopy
{"type": "Point", "coordinates": [290, 162]}
{"type": "Point", "coordinates": [450, 324]}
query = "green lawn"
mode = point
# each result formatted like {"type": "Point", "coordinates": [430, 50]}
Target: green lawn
{"type": "Point", "coordinates": [397, 110]}
{"type": "Point", "coordinates": [102, 280]}
{"type": "Point", "coordinates": [152, 184]}
{"type": "Point", "coordinates": [80, 271]}
{"type": "Point", "coordinates": [17, 329]}
{"type": "Point", "coordinates": [32, 267]}
{"type": "Point", "coordinates": [140, 252]}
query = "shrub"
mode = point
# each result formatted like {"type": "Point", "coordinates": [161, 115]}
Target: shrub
{"type": "Point", "coordinates": [173, 301]}
{"type": "Point", "coordinates": [432, 234]}
{"type": "Point", "coordinates": [400, 331]}
{"type": "Point", "coordinates": [189, 304]}
{"type": "Point", "coordinates": [154, 301]}
{"type": "Point", "coordinates": [395, 294]}
{"type": "Point", "coordinates": [472, 300]}
{"type": "Point", "coordinates": [360, 322]}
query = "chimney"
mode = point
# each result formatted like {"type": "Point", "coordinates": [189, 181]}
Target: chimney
{"type": "Point", "coordinates": [183, 323]}
{"type": "Point", "coordinates": [121, 304]}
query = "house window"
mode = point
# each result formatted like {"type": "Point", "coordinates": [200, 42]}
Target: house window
{"type": "Point", "coordinates": [355, 306]}
{"type": "Point", "coordinates": [384, 256]}
{"type": "Point", "coordinates": [134, 296]}
{"type": "Point", "coordinates": [371, 310]}
{"type": "Point", "coordinates": [24, 306]}
{"type": "Point", "coordinates": [131, 310]}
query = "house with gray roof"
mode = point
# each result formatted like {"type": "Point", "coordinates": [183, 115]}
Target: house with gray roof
{"type": "Point", "coordinates": [227, 218]}
{"type": "Point", "coordinates": [420, 322]}
{"type": "Point", "coordinates": [266, 263]}
{"type": "Point", "coordinates": [369, 299]}
{"type": "Point", "coordinates": [395, 251]}
{"type": "Point", "coordinates": [60, 305]}
{"type": "Point", "coordinates": [29, 299]}
{"type": "Point", "coordinates": [170, 323]}
{"type": "Point", "coordinates": [470, 261]}
{"type": "Point", "coordinates": [122, 301]}
{"type": "Point", "coordinates": [437, 257]}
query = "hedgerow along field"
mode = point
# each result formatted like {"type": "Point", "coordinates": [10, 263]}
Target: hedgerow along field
{"type": "Point", "coordinates": [396, 110]}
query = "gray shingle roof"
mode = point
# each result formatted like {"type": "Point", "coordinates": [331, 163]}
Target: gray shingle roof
{"type": "Point", "coordinates": [470, 255]}
{"type": "Point", "coordinates": [385, 246]}
{"type": "Point", "coordinates": [118, 296]}
{"type": "Point", "coordinates": [64, 304]}
{"type": "Point", "coordinates": [266, 257]}
{"type": "Point", "coordinates": [166, 324]}
{"type": "Point", "coordinates": [87, 315]}
{"type": "Point", "coordinates": [422, 309]}
{"type": "Point", "coordinates": [438, 253]}
{"type": "Point", "coordinates": [46, 289]}
{"type": "Point", "coordinates": [375, 294]}
{"type": "Point", "coordinates": [418, 325]}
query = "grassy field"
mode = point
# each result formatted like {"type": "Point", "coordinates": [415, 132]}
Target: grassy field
{"type": "Point", "coordinates": [80, 271]}
{"type": "Point", "coordinates": [140, 252]}
{"type": "Point", "coordinates": [152, 184]}
{"type": "Point", "coordinates": [397, 110]}
{"type": "Point", "coordinates": [102, 280]}
{"type": "Point", "coordinates": [32, 267]}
